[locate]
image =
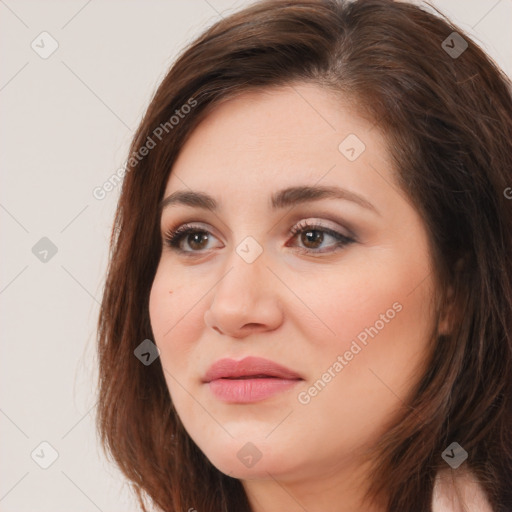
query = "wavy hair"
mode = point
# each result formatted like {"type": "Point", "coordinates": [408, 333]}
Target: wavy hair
{"type": "Point", "coordinates": [447, 120]}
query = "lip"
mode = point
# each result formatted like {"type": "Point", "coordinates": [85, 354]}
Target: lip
{"type": "Point", "coordinates": [251, 379]}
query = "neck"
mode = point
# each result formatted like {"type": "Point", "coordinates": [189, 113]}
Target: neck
{"type": "Point", "coordinates": [321, 489]}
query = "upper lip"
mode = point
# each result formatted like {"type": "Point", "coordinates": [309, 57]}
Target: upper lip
{"type": "Point", "coordinates": [249, 366]}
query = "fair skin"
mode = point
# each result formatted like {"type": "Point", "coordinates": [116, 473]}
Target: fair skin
{"type": "Point", "coordinates": [301, 310]}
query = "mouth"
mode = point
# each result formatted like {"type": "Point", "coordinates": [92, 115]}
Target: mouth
{"type": "Point", "coordinates": [245, 377]}
{"type": "Point", "coordinates": [249, 380]}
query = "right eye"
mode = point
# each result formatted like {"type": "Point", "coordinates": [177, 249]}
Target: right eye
{"type": "Point", "coordinates": [192, 235]}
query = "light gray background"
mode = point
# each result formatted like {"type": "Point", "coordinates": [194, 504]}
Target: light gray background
{"type": "Point", "coordinates": [66, 123]}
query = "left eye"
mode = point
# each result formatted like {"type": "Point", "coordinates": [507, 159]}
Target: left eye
{"type": "Point", "coordinates": [312, 236]}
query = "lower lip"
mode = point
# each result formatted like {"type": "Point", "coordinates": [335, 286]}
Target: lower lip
{"type": "Point", "coordinates": [249, 390]}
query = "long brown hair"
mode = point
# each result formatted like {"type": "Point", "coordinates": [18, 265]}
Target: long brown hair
{"type": "Point", "coordinates": [446, 111]}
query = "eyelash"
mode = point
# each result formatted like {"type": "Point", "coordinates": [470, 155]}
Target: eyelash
{"type": "Point", "coordinates": [173, 237]}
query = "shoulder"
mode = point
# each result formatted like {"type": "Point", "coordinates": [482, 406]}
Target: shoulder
{"type": "Point", "coordinates": [456, 491]}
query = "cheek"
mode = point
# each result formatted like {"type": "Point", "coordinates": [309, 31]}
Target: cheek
{"type": "Point", "coordinates": [381, 321]}
{"type": "Point", "coordinates": [338, 304]}
{"type": "Point", "coordinates": [382, 356]}
{"type": "Point", "coordinates": [177, 318]}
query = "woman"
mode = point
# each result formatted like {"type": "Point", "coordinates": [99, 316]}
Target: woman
{"type": "Point", "coordinates": [308, 303]}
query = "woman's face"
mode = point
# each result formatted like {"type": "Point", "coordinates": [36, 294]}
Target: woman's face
{"type": "Point", "coordinates": [344, 303]}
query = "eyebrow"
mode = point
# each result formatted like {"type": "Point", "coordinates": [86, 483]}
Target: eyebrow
{"type": "Point", "coordinates": [280, 200]}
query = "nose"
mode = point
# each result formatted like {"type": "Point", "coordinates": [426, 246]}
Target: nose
{"type": "Point", "coordinates": [245, 300]}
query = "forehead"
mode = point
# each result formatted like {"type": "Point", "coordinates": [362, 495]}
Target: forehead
{"type": "Point", "coordinates": [271, 139]}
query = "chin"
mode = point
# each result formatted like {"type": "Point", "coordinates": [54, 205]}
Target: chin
{"type": "Point", "coordinates": [247, 460]}
{"type": "Point", "coordinates": [230, 465]}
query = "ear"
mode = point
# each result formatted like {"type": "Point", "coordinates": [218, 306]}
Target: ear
{"type": "Point", "coordinates": [447, 319]}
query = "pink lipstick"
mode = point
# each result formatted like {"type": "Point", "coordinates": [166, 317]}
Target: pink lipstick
{"type": "Point", "coordinates": [251, 379]}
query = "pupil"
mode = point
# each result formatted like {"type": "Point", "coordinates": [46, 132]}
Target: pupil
{"type": "Point", "coordinates": [198, 238]}
{"type": "Point", "coordinates": [313, 238]}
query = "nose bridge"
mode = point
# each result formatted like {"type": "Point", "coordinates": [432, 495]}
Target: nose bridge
{"type": "Point", "coordinates": [245, 270]}
{"type": "Point", "coordinates": [243, 295]}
